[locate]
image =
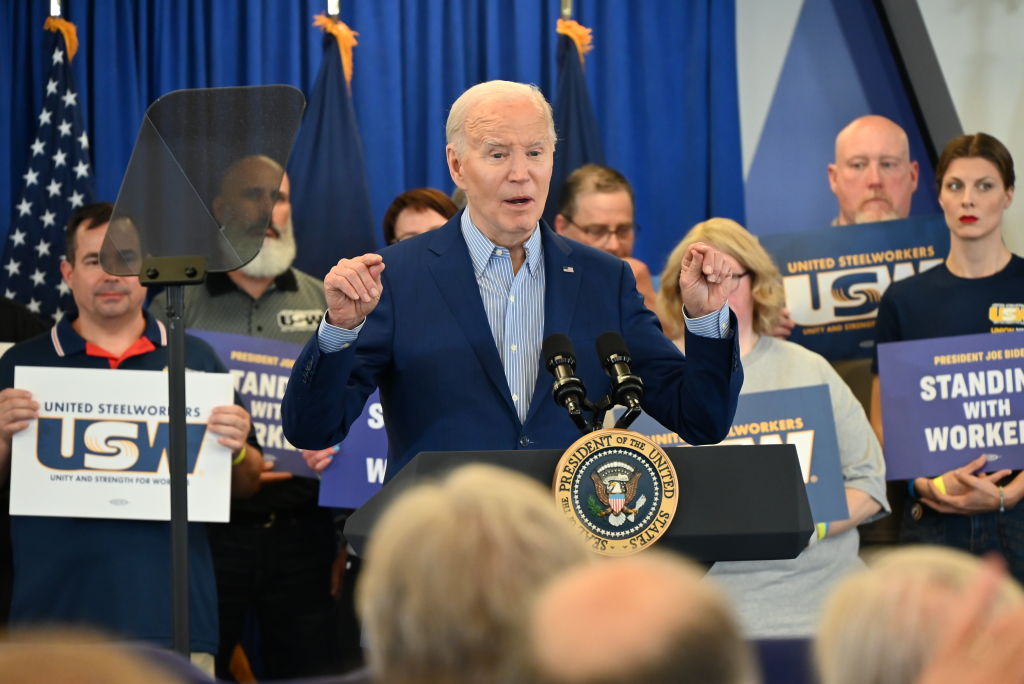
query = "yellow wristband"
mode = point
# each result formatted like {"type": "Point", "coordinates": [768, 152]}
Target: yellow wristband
{"type": "Point", "coordinates": [822, 530]}
{"type": "Point", "coordinates": [939, 483]}
{"type": "Point", "coordinates": [239, 458]}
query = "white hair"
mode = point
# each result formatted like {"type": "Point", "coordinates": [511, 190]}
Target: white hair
{"type": "Point", "coordinates": [276, 256]}
{"type": "Point", "coordinates": [881, 625]}
{"type": "Point", "coordinates": [455, 129]}
{"type": "Point", "coordinates": [450, 571]}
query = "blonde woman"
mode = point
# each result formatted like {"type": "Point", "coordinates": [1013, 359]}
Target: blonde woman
{"type": "Point", "coordinates": [782, 598]}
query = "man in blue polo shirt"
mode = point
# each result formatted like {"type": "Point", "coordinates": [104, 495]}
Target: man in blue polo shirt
{"type": "Point", "coordinates": [111, 574]}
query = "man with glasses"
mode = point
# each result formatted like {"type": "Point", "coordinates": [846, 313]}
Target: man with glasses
{"type": "Point", "coordinates": [596, 208]}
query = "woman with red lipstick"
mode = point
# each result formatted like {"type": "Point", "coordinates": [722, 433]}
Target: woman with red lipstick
{"type": "Point", "coordinates": [968, 294]}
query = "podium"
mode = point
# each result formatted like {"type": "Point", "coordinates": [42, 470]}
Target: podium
{"type": "Point", "coordinates": [735, 502]}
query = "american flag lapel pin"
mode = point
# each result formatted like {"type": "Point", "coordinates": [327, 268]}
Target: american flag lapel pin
{"type": "Point", "coordinates": [568, 269]}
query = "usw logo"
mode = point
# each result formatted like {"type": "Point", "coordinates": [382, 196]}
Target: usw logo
{"type": "Point", "coordinates": [120, 445]}
{"type": "Point", "coordinates": [844, 295]}
{"type": "Point", "coordinates": [1006, 313]}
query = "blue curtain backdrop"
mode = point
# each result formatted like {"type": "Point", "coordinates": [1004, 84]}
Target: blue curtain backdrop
{"type": "Point", "coordinates": [662, 78]}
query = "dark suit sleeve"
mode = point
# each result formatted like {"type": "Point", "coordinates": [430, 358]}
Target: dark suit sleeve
{"type": "Point", "coordinates": [696, 396]}
{"type": "Point", "coordinates": [327, 392]}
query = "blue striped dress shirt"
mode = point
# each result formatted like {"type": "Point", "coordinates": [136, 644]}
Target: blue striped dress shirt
{"type": "Point", "coordinates": [514, 306]}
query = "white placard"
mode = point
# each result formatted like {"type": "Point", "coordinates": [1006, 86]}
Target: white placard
{"type": "Point", "coordinates": [99, 447]}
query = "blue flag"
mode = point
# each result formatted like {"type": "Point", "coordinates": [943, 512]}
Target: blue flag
{"type": "Point", "coordinates": [58, 180]}
{"type": "Point", "coordinates": [329, 193]}
{"type": "Point", "coordinates": [579, 139]}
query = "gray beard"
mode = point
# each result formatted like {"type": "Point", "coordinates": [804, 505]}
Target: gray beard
{"type": "Point", "coordinates": [275, 257]}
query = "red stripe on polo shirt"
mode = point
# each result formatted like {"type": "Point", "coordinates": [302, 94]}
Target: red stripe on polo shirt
{"type": "Point", "coordinates": [141, 346]}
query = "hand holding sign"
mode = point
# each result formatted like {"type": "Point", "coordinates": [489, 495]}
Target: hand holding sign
{"type": "Point", "coordinates": [232, 423]}
{"type": "Point", "coordinates": [967, 491]}
{"type": "Point", "coordinates": [17, 408]}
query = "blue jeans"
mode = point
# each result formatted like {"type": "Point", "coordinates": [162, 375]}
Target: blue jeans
{"type": "Point", "coordinates": [1002, 533]}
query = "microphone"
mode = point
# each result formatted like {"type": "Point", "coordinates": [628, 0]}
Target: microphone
{"type": "Point", "coordinates": [627, 389]}
{"type": "Point", "coordinates": [568, 390]}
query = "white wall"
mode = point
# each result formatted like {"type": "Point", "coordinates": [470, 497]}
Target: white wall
{"type": "Point", "coordinates": [763, 32]}
{"type": "Point", "coordinates": [980, 46]}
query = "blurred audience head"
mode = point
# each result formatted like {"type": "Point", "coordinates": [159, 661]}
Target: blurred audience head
{"type": "Point", "coordinates": [763, 288]}
{"type": "Point", "coordinates": [872, 177]}
{"type": "Point", "coordinates": [596, 208]}
{"type": "Point", "coordinates": [416, 211]}
{"type": "Point", "coordinates": [67, 656]}
{"type": "Point", "coordinates": [450, 571]}
{"type": "Point", "coordinates": [883, 624]}
{"type": "Point", "coordinates": [647, 618]}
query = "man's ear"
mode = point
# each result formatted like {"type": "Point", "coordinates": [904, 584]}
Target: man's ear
{"type": "Point", "coordinates": [65, 271]}
{"type": "Point", "coordinates": [833, 172]}
{"type": "Point", "coordinates": [454, 166]}
{"type": "Point", "coordinates": [915, 171]}
{"type": "Point", "coordinates": [560, 224]}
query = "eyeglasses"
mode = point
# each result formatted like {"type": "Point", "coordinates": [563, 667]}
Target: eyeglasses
{"type": "Point", "coordinates": [603, 233]}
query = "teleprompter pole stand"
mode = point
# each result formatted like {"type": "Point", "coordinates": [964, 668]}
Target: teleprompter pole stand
{"type": "Point", "coordinates": [175, 273]}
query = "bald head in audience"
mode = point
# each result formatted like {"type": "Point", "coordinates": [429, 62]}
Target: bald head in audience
{"type": "Point", "coordinates": [647, 618]}
{"type": "Point", "coordinates": [71, 656]}
{"type": "Point", "coordinates": [450, 572]}
{"type": "Point", "coordinates": [873, 176]}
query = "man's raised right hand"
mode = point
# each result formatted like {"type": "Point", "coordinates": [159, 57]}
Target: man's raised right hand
{"type": "Point", "coordinates": [352, 289]}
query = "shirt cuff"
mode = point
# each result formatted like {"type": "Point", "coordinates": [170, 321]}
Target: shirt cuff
{"type": "Point", "coordinates": [714, 325]}
{"type": "Point", "coordinates": [331, 338]}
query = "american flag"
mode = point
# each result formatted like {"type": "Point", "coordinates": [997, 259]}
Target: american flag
{"type": "Point", "coordinates": [57, 181]}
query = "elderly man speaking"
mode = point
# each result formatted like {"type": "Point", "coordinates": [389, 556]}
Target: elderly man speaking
{"type": "Point", "coordinates": [451, 330]}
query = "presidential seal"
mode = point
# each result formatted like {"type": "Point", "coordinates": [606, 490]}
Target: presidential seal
{"type": "Point", "coordinates": [618, 488]}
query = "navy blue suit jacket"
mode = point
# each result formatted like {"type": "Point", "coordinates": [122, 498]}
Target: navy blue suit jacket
{"type": "Point", "coordinates": [429, 348]}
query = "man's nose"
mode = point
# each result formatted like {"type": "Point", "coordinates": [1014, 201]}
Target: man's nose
{"type": "Point", "coordinates": [874, 175]}
{"type": "Point", "coordinates": [612, 243]}
{"type": "Point", "coordinates": [517, 170]}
